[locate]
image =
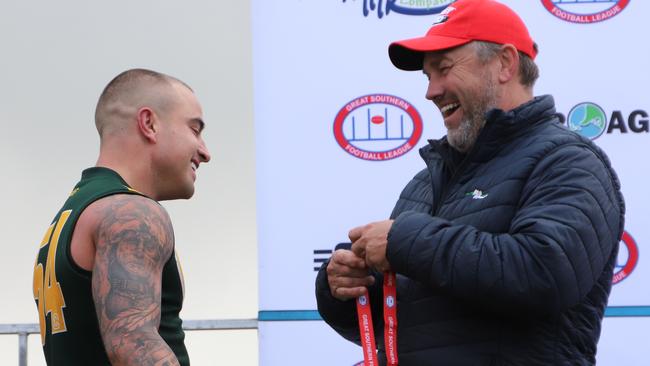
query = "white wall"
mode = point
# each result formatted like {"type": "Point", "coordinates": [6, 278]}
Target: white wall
{"type": "Point", "coordinates": [56, 57]}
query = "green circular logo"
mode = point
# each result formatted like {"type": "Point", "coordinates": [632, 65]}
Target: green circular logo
{"type": "Point", "coordinates": [587, 119]}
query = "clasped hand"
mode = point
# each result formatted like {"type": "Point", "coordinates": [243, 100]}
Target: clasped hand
{"type": "Point", "coordinates": [348, 271]}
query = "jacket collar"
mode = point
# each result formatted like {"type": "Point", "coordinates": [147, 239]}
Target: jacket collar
{"type": "Point", "coordinates": [500, 127]}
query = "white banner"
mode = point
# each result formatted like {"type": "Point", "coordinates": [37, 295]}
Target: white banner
{"type": "Point", "coordinates": [338, 128]}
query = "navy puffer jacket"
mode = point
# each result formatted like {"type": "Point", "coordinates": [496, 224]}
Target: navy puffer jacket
{"type": "Point", "coordinates": [504, 256]}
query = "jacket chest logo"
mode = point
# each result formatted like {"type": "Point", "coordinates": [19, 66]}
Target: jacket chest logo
{"type": "Point", "coordinates": [477, 194]}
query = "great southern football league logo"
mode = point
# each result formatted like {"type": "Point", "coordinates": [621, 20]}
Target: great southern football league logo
{"type": "Point", "coordinates": [377, 127]}
{"type": "Point", "coordinates": [585, 11]}
{"type": "Point", "coordinates": [628, 257]}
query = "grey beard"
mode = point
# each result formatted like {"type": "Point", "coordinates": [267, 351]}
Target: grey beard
{"type": "Point", "coordinates": [465, 136]}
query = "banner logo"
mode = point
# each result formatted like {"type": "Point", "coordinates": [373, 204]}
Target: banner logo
{"type": "Point", "coordinates": [377, 127]}
{"type": "Point", "coordinates": [321, 256]}
{"type": "Point", "coordinates": [585, 11]}
{"type": "Point", "coordinates": [591, 121]}
{"type": "Point", "coordinates": [628, 257]}
{"type": "Point", "coordinates": [588, 119]}
{"type": "Point", "coordinates": [406, 7]}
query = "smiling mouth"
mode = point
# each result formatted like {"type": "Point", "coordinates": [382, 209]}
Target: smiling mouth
{"type": "Point", "coordinates": [449, 109]}
{"type": "Point", "coordinates": [194, 166]}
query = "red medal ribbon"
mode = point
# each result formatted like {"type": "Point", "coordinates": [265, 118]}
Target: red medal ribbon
{"type": "Point", "coordinates": [366, 330]}
{"type": "Point", "coordinates": [390, 317]}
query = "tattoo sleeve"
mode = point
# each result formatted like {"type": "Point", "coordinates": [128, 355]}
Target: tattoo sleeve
{"type": "Point", "coordinates": [133, 242]}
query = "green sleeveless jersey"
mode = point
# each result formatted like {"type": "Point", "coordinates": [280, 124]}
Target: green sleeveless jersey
{"type": "Point", "coordinates": [63, 290]}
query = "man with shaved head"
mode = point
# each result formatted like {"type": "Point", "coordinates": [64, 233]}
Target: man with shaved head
{"type": "Point", "coordinates": [107, 282]}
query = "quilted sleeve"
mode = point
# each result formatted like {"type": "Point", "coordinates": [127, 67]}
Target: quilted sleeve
{"type": "Point", "coordinates": [564, 234]}
{"type": "Point", "coordinates": [342, 315]}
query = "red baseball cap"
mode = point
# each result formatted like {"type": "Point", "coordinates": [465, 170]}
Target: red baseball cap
{"type": "Point", "coordinates": [462, 22]}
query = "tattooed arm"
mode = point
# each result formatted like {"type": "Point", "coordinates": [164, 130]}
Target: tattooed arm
{"type": "Point", "coordinates": [133, 240]}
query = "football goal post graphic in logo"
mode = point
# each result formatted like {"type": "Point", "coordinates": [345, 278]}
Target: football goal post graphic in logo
{"type": "Point", "coordinates": [377, 127]}
{"type": "Point", "coordinates": [585, 11]}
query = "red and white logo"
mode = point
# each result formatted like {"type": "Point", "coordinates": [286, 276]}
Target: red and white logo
{"type": "Point", "coordinates": [377, 127]}
{"type": "Point", "coordinates": [585, 11]}
{"type": "Point", "coordinates": [628, 257]}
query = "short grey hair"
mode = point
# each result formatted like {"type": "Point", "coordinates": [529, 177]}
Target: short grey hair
{"type": "Point", "coordinates": [528, 70]}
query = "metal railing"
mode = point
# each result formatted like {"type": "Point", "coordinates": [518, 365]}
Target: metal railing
{"type": "Point", "coordinates": [24, 330]}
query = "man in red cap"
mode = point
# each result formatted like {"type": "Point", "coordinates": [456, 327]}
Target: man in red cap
{"type": "Point", "coordinates": [505, 244]}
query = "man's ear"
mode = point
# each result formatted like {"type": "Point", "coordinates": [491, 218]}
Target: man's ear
{"type": "Point", "coordinates": [508, 63]}
{"type": "Point", "coordinates": [147, 124]}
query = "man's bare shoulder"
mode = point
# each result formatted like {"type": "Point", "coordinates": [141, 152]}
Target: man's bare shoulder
{"type": "Point", "coordinates": [113, 213]}
{"type": "Point", "coordinates": [109, 215]}
{"type": "Point", "coordinates": [129, 218]}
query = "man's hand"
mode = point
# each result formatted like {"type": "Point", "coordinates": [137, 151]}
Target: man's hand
{"type": "Point", "coordinates": [370, 242]}
{"type": "Point", "coordinates": [347, 275]}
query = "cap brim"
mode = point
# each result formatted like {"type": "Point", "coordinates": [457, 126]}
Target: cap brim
{"type": "Point", "coordinates": [408, 54]}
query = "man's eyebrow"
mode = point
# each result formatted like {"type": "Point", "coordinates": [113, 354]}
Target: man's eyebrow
{"type": "Point", "coordinates": [437, 60]}
{"type": "Point", "coordinates": [199, 122]}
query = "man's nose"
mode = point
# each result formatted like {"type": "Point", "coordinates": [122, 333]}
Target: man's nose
{"type": "Point", "coordinates": [434, 89]}
{"type": "Point", "coordinates": [204, 154]}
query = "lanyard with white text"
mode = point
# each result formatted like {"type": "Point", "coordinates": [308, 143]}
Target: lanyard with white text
{"type": "Point", "coordinates": [366, 330]}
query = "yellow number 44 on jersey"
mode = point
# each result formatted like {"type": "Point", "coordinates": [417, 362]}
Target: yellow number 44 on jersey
{"type": "Point", "coordinates": [47, 290]}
